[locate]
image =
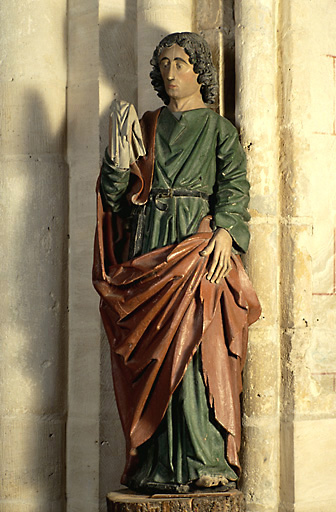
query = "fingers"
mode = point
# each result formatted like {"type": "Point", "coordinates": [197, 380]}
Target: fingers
{"type": "Point", "coordinates": [219, 249]}
{"type": "Point", "coordinates": [220, 264]}
{"type": "Point", "coordinates": [209, 248]}
{"type": "Point", "coordinates": [216, 265]}
{"type": "Point", "coordinates": [224, 272]}
{"type": "Point", "coordinates": [219, 268]}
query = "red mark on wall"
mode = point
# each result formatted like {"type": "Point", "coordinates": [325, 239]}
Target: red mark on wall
{"type": "Point", "coordinates": [333, 57]}
{"type": "Point", "coordinates": [333, 292]}
{"type": "Point", "coordinates": [332, 376]}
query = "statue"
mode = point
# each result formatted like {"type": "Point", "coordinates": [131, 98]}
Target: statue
{"type": "Point", "coordinates": [175, 300]}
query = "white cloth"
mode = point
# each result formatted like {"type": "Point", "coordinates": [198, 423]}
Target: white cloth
{"type": "Point", "coordinates": [126, 144]}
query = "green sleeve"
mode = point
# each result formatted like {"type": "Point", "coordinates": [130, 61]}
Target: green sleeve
{"type": "Point", "coordinates": [113, 184]}
{"type": "Point", "coordinates": [232, 188]}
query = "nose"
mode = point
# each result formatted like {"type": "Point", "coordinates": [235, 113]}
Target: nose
{"type": "Point", "coordinates": [170, 72]}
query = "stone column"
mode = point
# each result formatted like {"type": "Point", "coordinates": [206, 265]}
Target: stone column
{"type": "Point", "coordinates": [34, 200]}
{"type": "Point", "coordinates": [84, 321]}
{"type": "Point", "coordinates": [257, 116]}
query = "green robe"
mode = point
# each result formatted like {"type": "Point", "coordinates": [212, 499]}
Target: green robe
{"type": "Point", "coordinates": [199, 152]}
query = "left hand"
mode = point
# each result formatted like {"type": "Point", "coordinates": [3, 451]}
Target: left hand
{"type": "Point", "coordinates": [219, 247]}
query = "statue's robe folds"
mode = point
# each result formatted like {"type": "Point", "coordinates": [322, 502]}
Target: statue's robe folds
{"type": "Point", "coordinates": [178, 342]}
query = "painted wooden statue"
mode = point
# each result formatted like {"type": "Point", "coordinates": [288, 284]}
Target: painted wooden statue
{"type": "Point", "coordinates": [175, 300]}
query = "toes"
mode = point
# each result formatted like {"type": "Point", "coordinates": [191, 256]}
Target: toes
{"type": "Point", "coordinates": [211, 481]}
{"type": "Point", "coordinates": [204, 481]}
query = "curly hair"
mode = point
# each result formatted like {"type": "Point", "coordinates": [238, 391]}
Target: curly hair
{"type": "Point", "coordinates": [199, 54]}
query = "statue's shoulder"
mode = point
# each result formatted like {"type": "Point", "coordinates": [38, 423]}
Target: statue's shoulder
{"type": "Point", "coordinates": [222, 122]}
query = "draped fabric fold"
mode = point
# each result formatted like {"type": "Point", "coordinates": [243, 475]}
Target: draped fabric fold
{"type": "Point", "coordinates": [157, 309]}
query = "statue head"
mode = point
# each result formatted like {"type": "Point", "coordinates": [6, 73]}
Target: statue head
{"type": "Point", "coordinates": [198, 51]}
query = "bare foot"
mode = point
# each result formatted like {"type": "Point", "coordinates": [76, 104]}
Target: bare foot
{"type": "Point", "coordinates": [211, 481]}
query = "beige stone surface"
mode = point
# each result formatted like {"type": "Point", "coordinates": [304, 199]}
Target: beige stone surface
{"type": "Point", "coordinates": [307, 192]}
{"type": "Point", "coordinates": [316, 506]}
{"type": "Point", "coordinates": [315, 460]}
{"type": "Point", "coordinates": [112, 442]}
{"type": "Point", "coordinates": [33, 41]}
{"type": "Point", "coordinates": [257, 88]}
{"type": "Point", "coordinates": [33, 272]}
{"type": "Point", "coordinates": [261, 381]}
{"type": "Point", "coordinates": [296, 306]}
{"type": "Point", "coordinates": [260, 449]}
{"type": "Point", "coordinates": [264, 274]}
{"type": "Point", "coordinates": [33, 461]}
{"type": "Point", "coordinates": [33, 241]}
{"type": "Point", "coordinates": [84, 322]}
{"type": "Point", "coordinates": [30, 123]}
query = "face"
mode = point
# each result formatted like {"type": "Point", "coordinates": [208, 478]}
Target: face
{"type": "Point", "coordinates": [178, 75]}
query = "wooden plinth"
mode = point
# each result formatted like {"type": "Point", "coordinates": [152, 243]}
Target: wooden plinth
{"type": "Point", "coordinates": [129, 501]}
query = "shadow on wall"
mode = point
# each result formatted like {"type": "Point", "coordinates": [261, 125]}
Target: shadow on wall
{"type": "Point", "coordinates": [118, 54]}
{"type": "Point", "coordinates": [35, 347]}
{"type": "Point", "coordinates": [117, 47]}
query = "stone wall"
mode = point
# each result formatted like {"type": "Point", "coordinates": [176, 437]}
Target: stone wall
{"type": "Point", "coordinates": [308, 38]}
{"type": "Point", "coordinates": [286, 111]}
{"type": "Point", "coordinates": [33, 272]}
{"type": "Point", "coordinates": [286, 93]}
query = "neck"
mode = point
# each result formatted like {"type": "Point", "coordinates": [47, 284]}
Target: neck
{"type": "Point", "coordinates": [180, 105]}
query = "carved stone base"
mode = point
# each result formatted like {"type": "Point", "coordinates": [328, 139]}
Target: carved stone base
{"type": "Point", "coordinates": [130, 501]}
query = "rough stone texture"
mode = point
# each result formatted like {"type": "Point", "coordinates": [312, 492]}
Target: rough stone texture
{"type": "Point", "coordinates": [209, 20]}
{"type": "Point", "coordinates": [84, 322]}
{"type": "Point", "coordinates": [256, 65]}
{"type": "Point", "coordinates": [308, 220]}
{"type": "Point", "coordinates": [128, 501]}
{"type": "Point", "coordinates": [33, 241]}
{"type": "Point", "coordinates": [286, 108]}
{"type": "Point", "coordinates": [215, 21]}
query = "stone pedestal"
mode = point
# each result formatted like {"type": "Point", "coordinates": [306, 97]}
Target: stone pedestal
{"type": "Point", "coordinates": [129, 501]}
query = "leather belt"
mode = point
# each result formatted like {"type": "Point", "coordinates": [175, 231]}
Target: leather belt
{"type": "Point", "coordinates": [165, 193]}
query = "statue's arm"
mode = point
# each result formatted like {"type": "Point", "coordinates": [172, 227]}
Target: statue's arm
{"type": "Point", "coordinates": [232, 190]}
{"type": "Point", "coordinates": [230, 210]}
{"type": "Point", "coordinates": [113, 183]}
